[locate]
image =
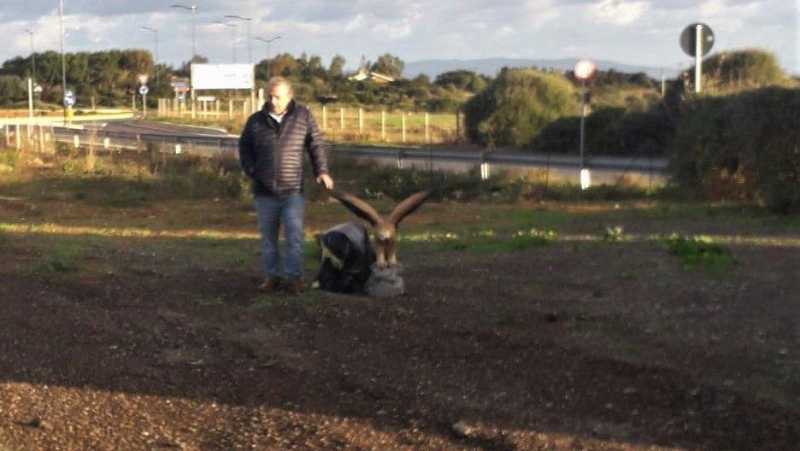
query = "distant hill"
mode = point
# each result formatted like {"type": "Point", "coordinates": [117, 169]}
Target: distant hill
{"type": "Point", "coordinates": [491, 66]}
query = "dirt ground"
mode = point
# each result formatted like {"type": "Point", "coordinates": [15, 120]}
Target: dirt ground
{"type": "Point", "coordinates": [139, 327]}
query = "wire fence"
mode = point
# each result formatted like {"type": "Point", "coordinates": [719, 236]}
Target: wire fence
{"type": "Point", "coordinates": [340, 122]}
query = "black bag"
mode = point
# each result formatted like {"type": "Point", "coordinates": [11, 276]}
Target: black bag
{"type": "Point", "coordinates": [347, 255]}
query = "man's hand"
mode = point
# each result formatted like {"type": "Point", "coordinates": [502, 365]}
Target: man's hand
{"type": "Point", "coordinates": [326, 180]}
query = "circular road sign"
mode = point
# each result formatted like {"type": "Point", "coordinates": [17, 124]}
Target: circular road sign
{"type": "Point", "coordinates": [143, 90]}
{"type": "Point", "coordinates": [689, 39]}
{"type": "Point", "coordinates": [69, 98]}
{"type": "Point", "coordinates": [37, 89]}
{"type": "Point", "coordinates": [584, 70]}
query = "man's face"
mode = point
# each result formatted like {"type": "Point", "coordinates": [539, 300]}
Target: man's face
{"type": "Point", "coordinates": [279, 98]}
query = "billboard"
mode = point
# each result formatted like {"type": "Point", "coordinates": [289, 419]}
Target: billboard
{"type": "Point", "coordinates": [223, 76]}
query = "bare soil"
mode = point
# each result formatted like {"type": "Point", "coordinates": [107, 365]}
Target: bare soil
{"type": "Point", "coordinates": [114, 341]}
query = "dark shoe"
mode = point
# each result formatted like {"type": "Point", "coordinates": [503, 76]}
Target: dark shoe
{"type": "Point", "coordinates": [295, 287]}
{"type": "Point", "coordinates": [270, 285]}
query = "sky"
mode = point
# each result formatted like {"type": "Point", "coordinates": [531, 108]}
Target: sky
{"type": "Point", "coordinates": [639, 32]}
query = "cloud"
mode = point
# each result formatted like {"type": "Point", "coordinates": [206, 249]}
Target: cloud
{"type": "Point", "coordinates": [634, 31]}
{"type": "Point", "coordinates": [619, 12]}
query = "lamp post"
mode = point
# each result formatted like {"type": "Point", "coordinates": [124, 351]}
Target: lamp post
{"type": "Point", "coordinates": [155, 33]}
{"type": "Point", "coordinates": [584, 71]}
{"type": "Point", "coordinates": [268, 42]}
{"type": "Point", "coordinates": [193, 9]}
{"type": "Point", "coordinates": [33, 56]}
{"type": "Point", "coordinates": [232, 26]}
{"type": "Point", "coordinates": [249, 41]}
{"type": "Point", "coordinates": [63, 60]}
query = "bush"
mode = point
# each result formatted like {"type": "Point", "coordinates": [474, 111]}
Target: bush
{"type": "Point", "coordinates": [741, 147]}
{"type": "Point", "coordinates": [742, 69]}
{"type": "Point", "coordinates": [517, 105]}
{"type": "Point", "coordinates": [610, 131]}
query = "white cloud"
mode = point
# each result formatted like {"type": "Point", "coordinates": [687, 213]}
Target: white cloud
{"type": "Point", "coordinates": [619, 12]}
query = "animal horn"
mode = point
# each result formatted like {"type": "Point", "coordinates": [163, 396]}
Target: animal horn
{"type": "Point", "coordinates": [360, 208]}
{"type": "Point", "coordinates": [408, 206]}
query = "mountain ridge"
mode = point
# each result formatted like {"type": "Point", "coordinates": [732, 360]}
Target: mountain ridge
{"type": "Point", "coordinates": [491, 66]}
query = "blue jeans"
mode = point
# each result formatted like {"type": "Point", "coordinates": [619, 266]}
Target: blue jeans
{"type": "Point", "coordinates": [272, 212]}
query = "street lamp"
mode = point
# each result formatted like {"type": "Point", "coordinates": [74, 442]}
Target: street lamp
{"type": "Point", "coordinates": [193, 9]}
{"type": "Point", "coordinates": [249, 43]}
{"type": "Point", "coordinates": [155, 63]}
{"type": "Point", "coordinates": [63, 61]}
{"type": "Point", "coordinates": [229, 25]}
{"type": "Point", "coordinates": [584, 71]}
{"type": "Point", "coordinates": [33, 55]}
{"type": "Point", "coordinates": [268, 42]}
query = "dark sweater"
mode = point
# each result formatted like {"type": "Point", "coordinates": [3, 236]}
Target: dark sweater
{"type": "Point", "coordinates": [271, 153]}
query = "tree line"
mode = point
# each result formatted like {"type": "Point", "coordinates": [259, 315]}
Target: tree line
{"type": "Point", "coordinates": [110, 78]}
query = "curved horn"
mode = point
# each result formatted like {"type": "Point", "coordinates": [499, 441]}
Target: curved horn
{"type": "Point", "coordinates": [361, 209]}
{"type": "Point", "coordinates": [408, 206]}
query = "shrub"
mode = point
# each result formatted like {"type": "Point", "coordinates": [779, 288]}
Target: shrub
{"type": "Point", "coordinates": [742, 69]}
{"type": "Point", "coordinates": [741, 147]}
{"type": "Point", "coordinates": [517, 105]}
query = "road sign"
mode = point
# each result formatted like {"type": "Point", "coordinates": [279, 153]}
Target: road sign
{"type": "Point", "coordinates": [69, 98]}
{"type": "Point", "coordinates": [143, 90]}
{"type": "Point", "coordinates": [689, 39]}
{"type": "Point", "coordinates": [37, 89]}
{"type": "Point", "coordinates": [584, 70]}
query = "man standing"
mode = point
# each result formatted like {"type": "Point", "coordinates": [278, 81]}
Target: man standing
{"type": "Point", "coordinates": [271, 153]}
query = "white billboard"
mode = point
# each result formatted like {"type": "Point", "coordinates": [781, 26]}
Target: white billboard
{"type": "Point", "coordinates": [223, 76]}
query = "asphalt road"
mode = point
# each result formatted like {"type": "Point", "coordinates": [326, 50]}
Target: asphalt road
{"type": "Point", "coordinates": [466, 155]}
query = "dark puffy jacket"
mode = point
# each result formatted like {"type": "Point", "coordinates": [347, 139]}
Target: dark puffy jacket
{"type": "Point", "coordinates": [271, 153]}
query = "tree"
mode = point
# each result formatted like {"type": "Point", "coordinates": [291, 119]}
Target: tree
{"type": "Point", "coordinates": [336, 69]}
{"type": "Point", "coordinates": [12, 89]}
{"type": "Point", "coordinates": [517, 105]}
{"type": "Point", "coordinates": [390, 65]}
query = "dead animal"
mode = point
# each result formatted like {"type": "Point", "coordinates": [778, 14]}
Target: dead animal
{"type": "Point", "coordinates": [384, 229]}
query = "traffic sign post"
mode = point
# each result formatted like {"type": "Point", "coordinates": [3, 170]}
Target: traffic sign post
{"type": "Point", "coordinates": [69, 101]}
{"type": "Point", "coordinates": [143, 90]}
{"type": "Point", "coordinates": [697, 40]}
{"type": "Point", "coordinates": [584, 71]}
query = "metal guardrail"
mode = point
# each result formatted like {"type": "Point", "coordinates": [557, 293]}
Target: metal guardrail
{"type": "Point", "coordinates": [227, 145]}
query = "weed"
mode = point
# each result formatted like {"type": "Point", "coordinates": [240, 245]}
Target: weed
{"type": "Point", "coordinates": [63, 258]}
{"type": "Point", "coordinates": [613, 234]}
{"type": "Point", "coordinates": [699, 251]}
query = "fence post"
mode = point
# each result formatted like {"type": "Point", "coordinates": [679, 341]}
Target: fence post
{"type": "Point", "coordinates": [18, 137]}
{"type": "Point", "coordinates": [427, 128]}
{"type": "Point", "coordinates": [8, 135]}
{"type": "Point", "coordinates": [230, 108]}
{"type": "Point", "coordinates": [76, 141]}
{"type": "Point", "coordinates": [458, 125]}
{"type": "Point", "coordinates": [403, 124]}
{"type": "Point", "coordinates": [41, 138]}
{"type": "Point", "coordinates": [383, 125]}
{"type": "Point", "coordinates": [324, 117]}
{"type": "Point", "coordinates": [216, 108]}
{"type": "Point", "coordinates": [361, 121]}
{"type": "Point", "coordinates": [341, 118]}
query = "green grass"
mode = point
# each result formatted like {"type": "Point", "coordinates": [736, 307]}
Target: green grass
{"type": "Point", "coordinates": [699, 251]}
{"type": "Point", "coordinates": [62, 257]}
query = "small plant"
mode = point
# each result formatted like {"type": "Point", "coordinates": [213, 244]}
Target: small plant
{"type": "Point", "coordinates": [613, 234]}
{"type": "Point", "coordinates": [533, 237]}
{"type": "Point", "coordinates": [699, 251]}
{"type": "Point", "coordinates": [63, 258]}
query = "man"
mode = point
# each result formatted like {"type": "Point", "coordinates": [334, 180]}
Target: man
{"type": "Point", "coordinates": [271, 153]}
